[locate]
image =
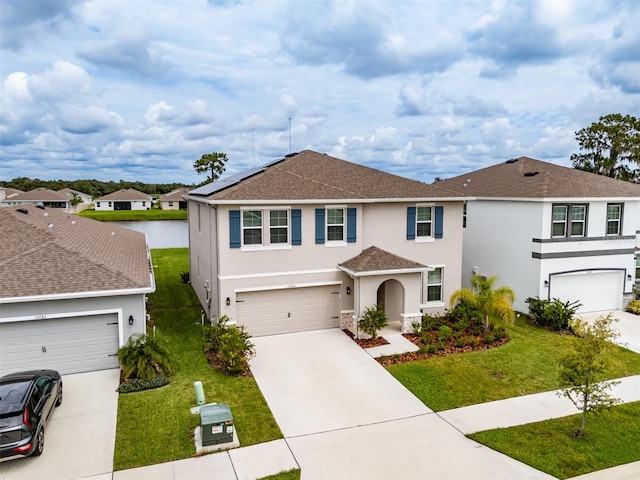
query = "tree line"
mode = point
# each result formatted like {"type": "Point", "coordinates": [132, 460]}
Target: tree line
{"type": "Point", "coordinates": [93, 187]}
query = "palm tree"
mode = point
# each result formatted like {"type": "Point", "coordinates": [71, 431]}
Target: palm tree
{"type": "Point", "coordinates": [482, 296]}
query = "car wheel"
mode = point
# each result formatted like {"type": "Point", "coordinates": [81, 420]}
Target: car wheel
{"type": "Point", "coordinates": [59, 397]}
{"type": "Point", "coordinates": [37, 451]}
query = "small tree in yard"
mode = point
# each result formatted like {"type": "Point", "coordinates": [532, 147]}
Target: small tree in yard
{"type": "Point", "coordinates": [373, 320]}
{"type": "Point", "coordinates": [489, 301]}
{"type": "Point", "coordinates": [582, 365]}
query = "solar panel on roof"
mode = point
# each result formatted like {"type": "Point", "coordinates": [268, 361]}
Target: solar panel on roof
{"type": "Point", "coordinates": [214, 187]}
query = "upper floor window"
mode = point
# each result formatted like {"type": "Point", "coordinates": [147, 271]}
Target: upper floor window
{"type": "Point", "coordinates": [569, 220]}
{"type": "Point", "coordinates": [424, 222]}
{"type": "Point", "coordinates": [252, 227]}
{"type": "Point", "coordinates": [614, 219]}
{"type": "Point", "coordinates": [265, 227]}
{"type": "Point", "coordinates": [335, 224]}
{"type": "Point", "coordinates": [464, 215]}
{"type": "Point", "coordinates": [278, 226]}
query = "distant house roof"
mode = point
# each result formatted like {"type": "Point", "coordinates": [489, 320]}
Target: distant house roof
{"type": "Point", "coordinates": [10, 192]}
{"type": "Point", "coordinates": [49, 252]}
{"type": "Point", "coordinates": [374, 259]}
{"type": "Point", "coordinates": [40, 194]}
{"type": "Point", "coordinates": [68, 192]}
{"type": "Point", "coordinates": [529, 178]}
{"type": "Point", "coordinates": [125, 195]}
{"type": "Point", "coordinates": [175, 195]}
{"type": "Point", "coordinates": [311, 175]}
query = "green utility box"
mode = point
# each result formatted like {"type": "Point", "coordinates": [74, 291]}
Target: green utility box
{"type": "Point", "coordinates": [216, 424]}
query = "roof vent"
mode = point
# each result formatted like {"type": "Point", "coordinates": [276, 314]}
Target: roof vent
{"type": "Point", "coordinates": [289, 155]}
{"type": "Point", "coordinates": [41, 207]}
{"type": "Point", "coordinates": [22, 210]}
{"type": "Point", "coordinates": [513, 160]}
{"type": "Point", "coordinates": [530, 174]}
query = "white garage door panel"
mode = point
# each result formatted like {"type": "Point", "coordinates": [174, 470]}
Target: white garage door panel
{"type": "Point", "coordinates": [69, 345]}
{"type": "Point", "coordinates": [291, 310]}
{"type": "Point", "coordinates": [596, 291]}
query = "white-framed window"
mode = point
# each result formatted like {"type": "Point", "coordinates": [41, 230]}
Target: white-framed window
{"type": "Point", "coordinates": [424, 221]}
{"type": "Point", "coordinates": [278, 227]}
{"type": "Point", "coordinates": [335, 224]}
{"type": "Point", "coordinates": [434, 285]}
{"type": "Point", "coordinates": [464, 215]}
{"type": "Point", "coordinates": [252, 227]}
{"type": "Point", "coordinates": [568, 221]}
{"type": "Point", "coordinates": [265, 227]}
{"type": "Point", "coordinates": [614, 219]}
{"type": "Point", "coordinates": [171, 204]}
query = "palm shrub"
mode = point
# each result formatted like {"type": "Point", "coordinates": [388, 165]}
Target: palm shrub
{"type": "Point", "coordinates": [489, 301]}
{"type": "Point", "coordinates": [373, 320]}
{"type": "Point", "coordinates": [145, 357]}
{"type": "Point", "coordinates": [228, 346]}
{"type": "Point", "coordinates": [554, 314]}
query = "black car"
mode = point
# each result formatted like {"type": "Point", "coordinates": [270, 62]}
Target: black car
{"type": "Point", "coordinates": [27, 400]}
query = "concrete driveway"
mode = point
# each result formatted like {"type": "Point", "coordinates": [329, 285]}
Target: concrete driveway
{"type": "Point", "coordinates": [628, 325]}
{"type": "Point", "coordinates": [343, 416]}
{"type": "Point", "coordinates": [80, 437]}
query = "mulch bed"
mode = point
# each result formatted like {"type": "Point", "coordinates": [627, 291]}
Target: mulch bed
{"type": "Point", "coordinates": [366, 343]}
{"type": "Point", "coordinates": [449, 349]}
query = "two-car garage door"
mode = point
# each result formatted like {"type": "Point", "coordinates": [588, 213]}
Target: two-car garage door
{"type": "Point", "coordinates": [69, 345]}
{"type": "Point", "coordinates": [271, 312]}
{"type": "Point", "coordinates": [595, 290]}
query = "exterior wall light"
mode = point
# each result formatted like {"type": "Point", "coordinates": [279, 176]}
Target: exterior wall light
{"type": "Point", "coordinates": [130, 319]}
{"type": "Point", "coordinates": [348, 290]}
{"type": "Point", "coordinates": [228, 301]}
{"type": "Point", "coordinates": [546, 284]}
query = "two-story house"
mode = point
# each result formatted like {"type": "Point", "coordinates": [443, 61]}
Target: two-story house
{"type": "Point", "coordinates": [309, 241]}
{"type": "Point", "coordinates": [550, 231]}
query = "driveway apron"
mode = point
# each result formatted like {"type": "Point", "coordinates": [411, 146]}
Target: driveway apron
{"type": "Point", "coordinates": [344, 416]}
{"type": "Point", "coordinates": [80, 436]}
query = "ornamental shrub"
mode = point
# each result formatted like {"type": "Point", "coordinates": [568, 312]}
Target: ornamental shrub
{"type": "Point", "coordinates": [136, 385]}
{"type": "Point", "coordinates": [228, 346]}
{"type": "Point", "coordinates": [145, 357]}
{"type": "Point", "coordinates": [554, 314]}
{"type": "Point", "coordinates": [373, 320]}
{"type": "Point", "coordinates": [633, 307]}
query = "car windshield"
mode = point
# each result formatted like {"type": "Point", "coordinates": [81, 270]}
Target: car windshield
{"type": "Point", "coordinates": [13, 392]}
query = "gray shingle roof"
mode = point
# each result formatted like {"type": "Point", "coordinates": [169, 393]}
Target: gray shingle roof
{"type": "Point", "coordinates": [374, 259]}
{"type": "Point", "coordinates": [125, 195]}
{"type": "Point", "coordinates": [529, 178]}
{"type": "Point", "coordinates": [175, 195]}
{"type": "Point", "coordinates": [43, 194]}
{"type": "Point", "coordinates": [74, 255]}
{"type": "Point", "coordinates": [311, 175]}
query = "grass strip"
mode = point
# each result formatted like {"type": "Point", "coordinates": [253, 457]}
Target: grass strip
{"type": "Point", "coordinates": [611, 438]}
{"type": "Point", "coordinates": [528, 363]}
{"type": "Point", "coordinates": [133, 215]}
{"type": "Point", "coordinates": [156, 426]}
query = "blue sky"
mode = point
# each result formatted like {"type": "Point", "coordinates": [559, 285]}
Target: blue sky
{"type": "Point", "coordinates": [140, 89]}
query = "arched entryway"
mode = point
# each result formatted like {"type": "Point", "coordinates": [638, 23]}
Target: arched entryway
{"type": "Point", "coordinates": [390, 296]}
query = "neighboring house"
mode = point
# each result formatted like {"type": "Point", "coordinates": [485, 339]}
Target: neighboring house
{"type": "Point", "coordinates": [39, 196]}
{"type": "Point", "coordinates": [173, 200]}
{"type": "Point", "coordinates": [72, 290]}
{"type": "Point", "coordinates": [309, 241]}
{"type": "Point", "coordinates": [6, 193]}
{"type": "Point", "coordinates": [125, 199]}
{"type": "Point", "coordinates": [550, 231]}
{"type": "Point", "coordinates": [86, 200]}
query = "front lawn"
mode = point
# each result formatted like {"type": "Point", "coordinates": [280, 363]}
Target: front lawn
{"type": "Point", "coordinates": [529, 363]}
{"type": "Point", "coordinates": [610, 439]}
{"type": "Point", "coordinates": [156, 426]}
{"type": "Point", "coordinates": [134, 215]}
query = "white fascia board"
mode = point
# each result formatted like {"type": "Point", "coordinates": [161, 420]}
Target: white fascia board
{"type": "Point", "coordinates": [331, 201]}
{"type": "Point", "coordinates": [385, 272]}
{"type": "Point", "coordinates": [72, 295]}
{"type": "Point", "coordinates": [558, 199]}
{"type": "Point", "coordinates": [286, 287]}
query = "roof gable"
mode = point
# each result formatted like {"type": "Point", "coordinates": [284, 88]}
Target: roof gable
{"type": "Point", "coordinates": [529, 178]}
{"type": "Point", "coordinates": [311, 175]}
{"type": "Point", "coordinates": [374, 259]}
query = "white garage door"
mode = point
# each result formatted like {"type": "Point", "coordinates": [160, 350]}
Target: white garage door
{"type": "Point", "coordinates": [69, 345]}
{"type": "Point", "coordinates": [289, 310]}
{"type": "Point", "coordinates": [596, 291]}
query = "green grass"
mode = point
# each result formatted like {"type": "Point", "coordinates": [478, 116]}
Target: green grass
{"type": "Point", "coordinates": [156, 426]}
{"type": "Point", "coordinates": [293, 474]}
{"type": "Point", "coordinates": [611, 438]}
{"type": "Point", "coordinates": [529, 363]}
{"type": "Point", "coordinates": [134, 215]}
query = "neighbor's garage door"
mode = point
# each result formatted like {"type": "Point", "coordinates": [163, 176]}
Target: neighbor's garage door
{"type": "Point", "coordinates": [69, 345]}
{"type": "Point", "coordinates": [289, 310]}
{"type": "Point", "coordinates": [596, 291]}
